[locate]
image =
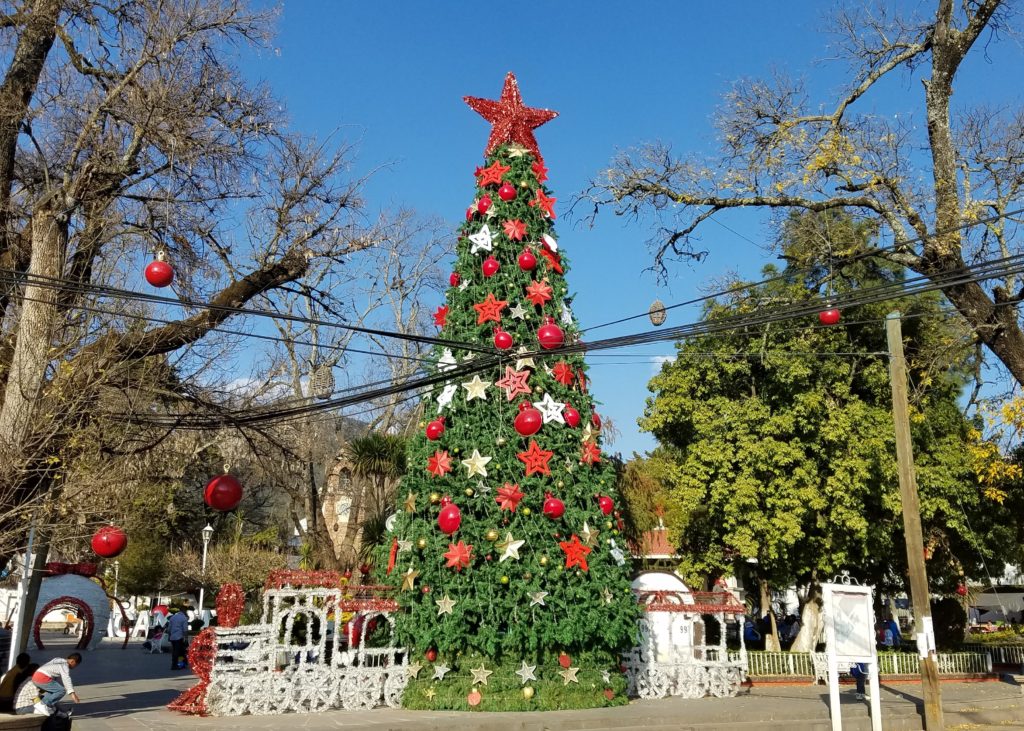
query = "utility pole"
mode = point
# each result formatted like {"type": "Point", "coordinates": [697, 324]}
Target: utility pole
{"type": "Point", "coordinates": [912, 528]}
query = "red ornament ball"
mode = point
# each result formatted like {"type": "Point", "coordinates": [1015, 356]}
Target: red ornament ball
{"type": "Point", "coordinates": [571, 416]}
{"type": "Point", "coordinates": [223, 492]}
{"type": "Point", "coordinates": [502, 340]}
{"type": "Point", "coordinates": [435, 429]}
{"type": "Point", "coordinates": [829, 316]}
{"type": "Point", "coordinates": [527, 261]}
{"type": "Point", "coordinates": [553, 507]}
{"type": "Point", "coordinates": [348, 573]}
{"type": "Point", "coordinates": [454, 279]}
{"type": "Point", "coordinates": [109, 541]}
{"type": "Point", "coordinates": [484, 204]}
{"type": "Point", "coordinates": [595, 419]}
{"type": "Point", "coordinates": [550, 335]}
{"type": "Point", "coordinates": [564, 660]}
{"type": "Point", "coordinates": [474, 697]}
{"type": "Point", "coordinates": [450, 517]}
{"type": "Point", "coordinates": [961, 590]}
{"type": "Point", "coordinates": [365, 569]}
{"type": "Point", "coordinates": [606, 504]}
{"type": "Point", "coordinates": [507, 192]}
{"type": "Point", "coordinates": [430, 654]}
{"type": "Point", "coordinates": [490, 266]}
{"type": "Point", "coordinates": [609, 693]}
{"type": "Point", "coordinates": [529, 420]}
{"type": "Point", "coordinates": [159, 273]}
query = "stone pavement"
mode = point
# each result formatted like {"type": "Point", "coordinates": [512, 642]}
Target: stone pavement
{"type": "Point", "coordinates": [127, 689]}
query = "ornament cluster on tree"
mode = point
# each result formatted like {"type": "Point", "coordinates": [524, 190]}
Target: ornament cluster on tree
{"type": "Point", "coordinates": [504, 574]}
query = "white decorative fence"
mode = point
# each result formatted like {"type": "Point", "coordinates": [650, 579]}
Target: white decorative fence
{"type": "Point", "coordinates": [802, 664]}
{"type": "Point", "coordinates": [1001, 654]}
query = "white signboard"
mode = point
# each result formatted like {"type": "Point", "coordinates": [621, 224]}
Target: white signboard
{"type": "Point", "coordinates": [849, 639]}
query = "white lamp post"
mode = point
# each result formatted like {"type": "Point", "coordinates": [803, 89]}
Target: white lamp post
{"type": "Point", "coordinates": [117, 571]}
{"type": "Point", "coordinates": [207, 535]}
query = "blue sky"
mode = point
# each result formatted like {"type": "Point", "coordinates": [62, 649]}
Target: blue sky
{"type": "Point", "coordinates": [392, 76]}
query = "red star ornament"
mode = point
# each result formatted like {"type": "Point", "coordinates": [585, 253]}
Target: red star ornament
{"type": "Point", "coordinates": [548, 204]}
{"type": "Point", "coordinates": [509, 496]}
{"type": "Point", "coordinates": [510, 120]}
{"type": "Point", "coordinates": [564, 373]}
{"type": "Point", "coordinates": [489, 309]}
{"type": "Point", "coordinates": [515, 229]}
{"type": "Point", "coordinates": [514, 383]}
{"type": "Point", "coordinates": [493, 174]}
{"type": "Point", "coordinates": [458, 555]}
{"type": "Point", "coordinates": [538, 293]}
{"type": "Point", "coordinates": [440, 464]}
{"type": "Point", "coordinates": [535, 459]}
{"type": "Point", "coordinates": [441, 316]}
{"type": "Point", "coordinates": [591, 453]}
{"type": "Point", "coordinates": [575, 553]}
{"type": "Point", "coordinates": [540, 171]}
{"type": "Point", "coordinates": [554, 260]}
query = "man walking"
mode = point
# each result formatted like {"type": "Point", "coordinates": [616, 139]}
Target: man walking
{"type": "Point", "coordinates": [54, 682]}
{"type": "Point", "coordinates": [177, 631]}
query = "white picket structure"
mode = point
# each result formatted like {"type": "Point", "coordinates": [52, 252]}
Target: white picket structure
{"type": "Point", "coordinates": [802, 664]}
{"type": "Point", "coordinates": [1001, 654]}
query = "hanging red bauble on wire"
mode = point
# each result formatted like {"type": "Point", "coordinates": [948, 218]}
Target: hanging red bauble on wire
{"type": "Point", "coordinates": [109, 541]}
{"type": "Point", "coordinates": [430, 654]}
{"type": "Point", "coordinates": [454, 279]}
{"type": "Point", "coordinates": [829, 316]}
{"type": "Point", "coordinates": [529, 420]}
{"type": "Point", "coordinates": [450, 517]}
{"type": "Point", "coordinates": [595, 419]}
{"type": "Point", "coordinates": [490, 266]}
{"type": "Point", "coordinates": [553, 507]}
{"type": "Point", "coordinates": [502, 340]}
{"type": "Point", "coordinates": [506, 192]}
{"type": "Point", "coordinates": [223, 492]}
{"type": "Point", "coordinates": [571, 416]}
{"type": "Point", "coordinates": [606, 504]}
{"type": "Point", "coordinates": [550, 335]}
{"type": "Point", "coordinates": [484, 204]}
{"type": "Point", "coordinates": [527, 261]}
{"type": "Point", "coordinates": [961, 590]}
{"type": "Point", "coordinates": [435, 429]}
{"type": "Point", "coordinates": [159, 273]}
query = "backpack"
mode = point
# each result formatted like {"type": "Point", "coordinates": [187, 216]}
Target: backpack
{"type": "Point", "coordinates": [58, 721]}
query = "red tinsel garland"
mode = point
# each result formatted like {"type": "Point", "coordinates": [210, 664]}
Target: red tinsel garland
{"type": "Point", "coordinates": [56, 568]}
{"type": "Point", "coordinates": [84, 610]}
{"type": "Point", "coordinates": [230, 603]}
{"type": "Point", "coordinates": [295, 578]}
{"type": "Point", "coordinates": [200, 659]}
{"type": "Point", "coordinates": [704, 602]}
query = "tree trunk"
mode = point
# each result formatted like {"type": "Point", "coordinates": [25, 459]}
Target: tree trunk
{"type": "Point", "coordinates": [810, 621]}
{"type": "Point", "coordinates": [771, 641]}
{"type": "Point", "coordinates": [39, 315]}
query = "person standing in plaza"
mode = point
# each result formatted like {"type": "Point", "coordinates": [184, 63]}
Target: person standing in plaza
{"type": "Point", "coordinates": [177, 628]}
{"type": "Point", "coordinates": [53, 679]}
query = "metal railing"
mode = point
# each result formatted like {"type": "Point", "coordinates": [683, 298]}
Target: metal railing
{"type": "Point", "coordinates": [1001, 654]}
{"type": "Point", "coordinates": [801, 664]}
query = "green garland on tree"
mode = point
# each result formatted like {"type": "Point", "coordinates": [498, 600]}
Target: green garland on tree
{"type": "Point", "coordinates": [511, 573]}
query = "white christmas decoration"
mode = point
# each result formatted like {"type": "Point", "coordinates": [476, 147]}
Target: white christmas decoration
{"type": "Point", "coordinates": [550, 241]}
{"type": "Point", "coordinates": [477, 388]}
{"type": "Point", "coordinates": [481, 674]}
{"type": "Point", "coordinates": [550, 409]}
{"type": "Point", "coordinates": [444, 605]}
{"type": "Point", "coordinates": [447, 361]}
{"type": "Point", "coordinates": [525, 672]}
{"type": "Point", "coordinates": [537, 597]}
{"type": "Point", "coordinates": [517, 311]}
{"type": "Point", "coordinates": [476, 464]}
{"type": "Point", "coordinates": [446, 395]}
{"type": "Point", "coordinates": [481, 240]}
{"type": "Point", "coordinates": [511, 549]}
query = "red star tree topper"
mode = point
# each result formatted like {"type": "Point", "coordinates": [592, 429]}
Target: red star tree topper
{"type": "Point", "coordinates": [510, 120]}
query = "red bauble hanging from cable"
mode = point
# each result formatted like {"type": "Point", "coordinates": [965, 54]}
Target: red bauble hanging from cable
{"type": "Point", "coordinates": [502, 340]}
{"type": "Point", "coordinates": [829, 316]}
{"type": "Point", "coordinates": [223, 492]}
{"type": "Point", "coordinates": [454, 279]}
{"type": "Point", "coordinates": [553, 507]}
{"type": "Point", "coordinates": [109, 541]}
{"type": "Point", "coordinates": [606, 504]}
{"type": "Point", "coordinates": [507, 192]}
{"type": "Point", "coordinates": [159, 273]}
{"type": "Point", "coordinates": [528, 421]}
{"type": "Point", "coordinates": [527, 261]}
{"type": "Point", "coordinates": [484, 204]}
{"type": "Point", "coordinates": [571, 416]}
{"type": "Point", "coordinates": [490, 266]}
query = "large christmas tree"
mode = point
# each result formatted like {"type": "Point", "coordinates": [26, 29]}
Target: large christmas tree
{"type": "Point", "coordinates": [512, 576]}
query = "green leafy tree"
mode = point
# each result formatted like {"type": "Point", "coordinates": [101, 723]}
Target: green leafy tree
{"type": "Point", "coordinates": [782, 435]}
{"type": "Point", "coordinates": [523, 588]}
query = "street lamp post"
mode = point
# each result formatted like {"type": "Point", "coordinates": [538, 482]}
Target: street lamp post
{"type": "Point", "coordinates": [117, 571]}
{"type": "Point", "coordinates": [207, 535]}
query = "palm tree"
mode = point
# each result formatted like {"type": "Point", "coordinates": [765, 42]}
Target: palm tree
{"type": "Point", "coordinates": [378, 460]}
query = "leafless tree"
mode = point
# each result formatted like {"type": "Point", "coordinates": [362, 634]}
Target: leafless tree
{"type": "Point", "coordinates": [126, 130]}
{"type": "Point", "coordinates": [927, 184]}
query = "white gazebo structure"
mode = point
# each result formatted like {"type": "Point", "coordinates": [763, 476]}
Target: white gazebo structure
{"type": "Point", "coordinates": [673, 658]}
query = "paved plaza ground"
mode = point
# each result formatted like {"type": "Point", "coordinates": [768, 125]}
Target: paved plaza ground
{"type": "Point", "coordinates": [126, 690]}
